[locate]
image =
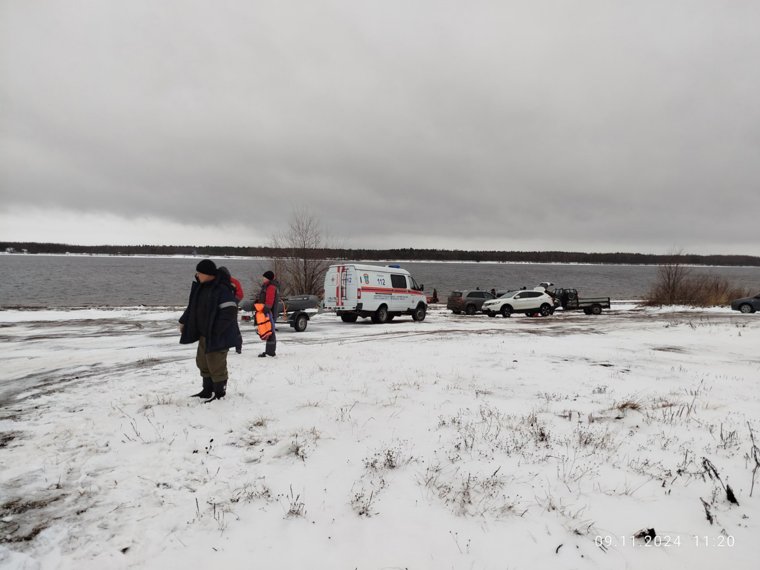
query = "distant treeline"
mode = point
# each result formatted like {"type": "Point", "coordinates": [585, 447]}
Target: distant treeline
{"type": "Point", "coordinates": [406, 254]}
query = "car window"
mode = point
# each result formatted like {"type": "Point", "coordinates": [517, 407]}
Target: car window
{"type": "Point", "coordinates": [398, 281]}
{"type": "Point", "coordinates": [531, 294]}
{"type": "Point", "coordinates": [474, 294]}
{"type": "Point", "coordinates": [456, 294]}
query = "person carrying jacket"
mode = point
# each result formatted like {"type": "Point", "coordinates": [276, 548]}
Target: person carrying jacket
{"type": "Point", "coordinates": [269, 295]}
{"type": "Point", "coordinates": [210, 319]}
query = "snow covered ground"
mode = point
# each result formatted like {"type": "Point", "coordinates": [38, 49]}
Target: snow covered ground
{"type": "Point", "coordinates": [459, 442]}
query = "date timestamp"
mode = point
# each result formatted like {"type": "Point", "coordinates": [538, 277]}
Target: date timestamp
{"type": "Point", "coordinates": [605, 542]}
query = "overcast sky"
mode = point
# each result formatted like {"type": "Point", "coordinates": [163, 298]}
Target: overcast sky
{"type": "Point", "coordinates": [594, 125]}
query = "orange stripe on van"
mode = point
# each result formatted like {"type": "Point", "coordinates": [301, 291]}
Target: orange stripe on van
{"type": "Point", "coordinates": [390, 290]}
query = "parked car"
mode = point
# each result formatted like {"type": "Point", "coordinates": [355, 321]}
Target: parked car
{"type": "Point", "coordinates": [469, 301]}
{"type": "Point", "coordinates": [353, 290]}
{"type": "Point", "coordinates": [537, 301]}
{"type": "Point", "coordinates": [747, 304]}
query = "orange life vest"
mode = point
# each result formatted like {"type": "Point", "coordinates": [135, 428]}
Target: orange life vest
{"type": "Point", "coordinates": [263, 324]}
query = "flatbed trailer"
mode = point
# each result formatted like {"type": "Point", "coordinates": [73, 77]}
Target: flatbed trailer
{"type": "Point", "coordinates": [569, 301]}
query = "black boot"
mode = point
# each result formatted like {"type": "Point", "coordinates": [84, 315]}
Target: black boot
{"type": "Point", "coordinates": [207, 391]}
{"type": "Point", "coordinates": [220, 391]}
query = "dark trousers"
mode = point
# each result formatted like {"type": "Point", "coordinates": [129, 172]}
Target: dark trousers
{"type": "Point", "coordinates": [271, 346]}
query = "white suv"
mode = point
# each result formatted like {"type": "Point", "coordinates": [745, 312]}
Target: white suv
{"type": "Point", "coordinates": [537, 301]}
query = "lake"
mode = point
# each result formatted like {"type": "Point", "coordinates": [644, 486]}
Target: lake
{"type": "Point", "coordinates": [123, 281]}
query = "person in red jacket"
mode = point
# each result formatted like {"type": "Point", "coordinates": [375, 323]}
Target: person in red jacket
{"type": "Point", "coordinates": [269, 295]}
{"type": "Point", "coordinates": [237, 287]}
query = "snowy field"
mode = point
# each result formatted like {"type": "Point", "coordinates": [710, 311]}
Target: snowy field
{"type": "Point", "coordinates": [456, 443]}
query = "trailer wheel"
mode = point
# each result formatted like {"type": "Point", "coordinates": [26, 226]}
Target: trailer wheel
{"type": "Point", "coordinates": [506, 311]}
{"type": "Point", "coordinates": [300, 322]}
{"type": "Point", "coordinates": [381, 315]}
{"type": "Point", "coordinates": [545, 310]}
{"type": "Point", "coordinates": [419, 313]}
{"type": "Point", "coordinates": [349, 317]}
{"type": "Point", "coordinates": [470, 309]}
{"type": "Point", "coordinates": [596, 309]}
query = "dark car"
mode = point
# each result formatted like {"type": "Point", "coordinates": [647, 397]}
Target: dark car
{"type": "Point", "coordinates": [469, 301]}
{"type": "Point", "coordinates": [747, 304]}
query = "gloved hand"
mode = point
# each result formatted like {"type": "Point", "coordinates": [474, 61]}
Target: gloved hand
{"type": "Point", "coordinates": [239, 349]}
{"type": "Point", "coordinates": [268, 309]}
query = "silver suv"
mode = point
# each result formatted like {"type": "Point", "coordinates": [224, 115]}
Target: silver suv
{"type": "Point", "coordinates": [469, 301]}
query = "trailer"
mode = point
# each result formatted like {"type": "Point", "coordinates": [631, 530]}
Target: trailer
{"type": "Point", "coordinates": [295, 310]}
{"type": "Point", "coordinates": [569, 301]}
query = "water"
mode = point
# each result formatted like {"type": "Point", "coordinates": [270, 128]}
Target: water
{"type": "Point", "coordinates": [77, 281]}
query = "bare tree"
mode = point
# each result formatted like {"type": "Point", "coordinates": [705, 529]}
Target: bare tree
{"type": "Point", "coordinates": [672, 282]}
{"type": "Point", "coordinates": [301, 268]}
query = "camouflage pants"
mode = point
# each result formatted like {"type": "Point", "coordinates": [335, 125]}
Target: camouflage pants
{"type": "Point", "coordinates": [211, 364]}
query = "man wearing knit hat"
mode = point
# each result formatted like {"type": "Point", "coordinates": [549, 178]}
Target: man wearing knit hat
{"type": "Point", "coordinates": [269, 295]}
{"type": "Point", "coordinates": [211, 320]}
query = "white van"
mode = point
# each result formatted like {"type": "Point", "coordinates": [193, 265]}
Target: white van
{"type": "Point", "coordinates": [353, 290]}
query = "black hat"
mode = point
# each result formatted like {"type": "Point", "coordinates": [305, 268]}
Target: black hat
{"type": "Point", "coordinates": [269, 275]}
{"type": "Point", "coordinates": [207, 267]}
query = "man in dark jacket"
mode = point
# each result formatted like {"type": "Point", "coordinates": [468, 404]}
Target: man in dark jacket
{"type": "Point", "coordinates": [269, 295]}
{"type": "Point", "coordinates": [211, 319]}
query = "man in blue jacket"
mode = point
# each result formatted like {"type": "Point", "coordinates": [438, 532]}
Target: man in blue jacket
{"type": "Point", "coordinates": [211, 319]}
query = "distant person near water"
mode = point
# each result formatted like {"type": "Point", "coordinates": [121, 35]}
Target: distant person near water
{"type": "Point", "coordinates": [210, 319]}
{"type": "Point", "coordinates": [269, 296]}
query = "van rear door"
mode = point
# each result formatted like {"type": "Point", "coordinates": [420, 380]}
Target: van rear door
{"type": "Point", "coordinates": [340, 288]}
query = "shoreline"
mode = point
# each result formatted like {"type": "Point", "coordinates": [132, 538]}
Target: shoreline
{"type": "Point", "coordinates": [371, 261]}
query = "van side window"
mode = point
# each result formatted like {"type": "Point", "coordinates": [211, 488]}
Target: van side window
{"type": "Point", "coordinates": [398, 281]}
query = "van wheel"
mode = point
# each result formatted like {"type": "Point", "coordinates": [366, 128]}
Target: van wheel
{"type": "Point", "coordinates": [470, 309]}
{"type": "Point", "coordinates": [545, 310]}
{"type": "Point", "coordinates": [419, 313]}
{"type": "Point", "coordinates": [381, 315]}
{"type": "Point", "coordinates": [596, 309]}
{"type": "Point", "coordinates": [349, 317]}
{"type": "Point", "coordinates": [300, 322]}
{"type": "Point", "coordinates": [506, 311]}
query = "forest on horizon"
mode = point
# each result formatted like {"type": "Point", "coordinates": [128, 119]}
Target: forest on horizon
{"type": "Point", "coordinates": [402, 254]}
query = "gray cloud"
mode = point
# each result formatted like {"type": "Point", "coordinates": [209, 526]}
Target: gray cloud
{"type": "Point", "coordinates": [562, 125]}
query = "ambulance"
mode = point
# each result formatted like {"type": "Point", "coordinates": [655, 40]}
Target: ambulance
{"type": "Point", "coordinates": [381, 293]}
